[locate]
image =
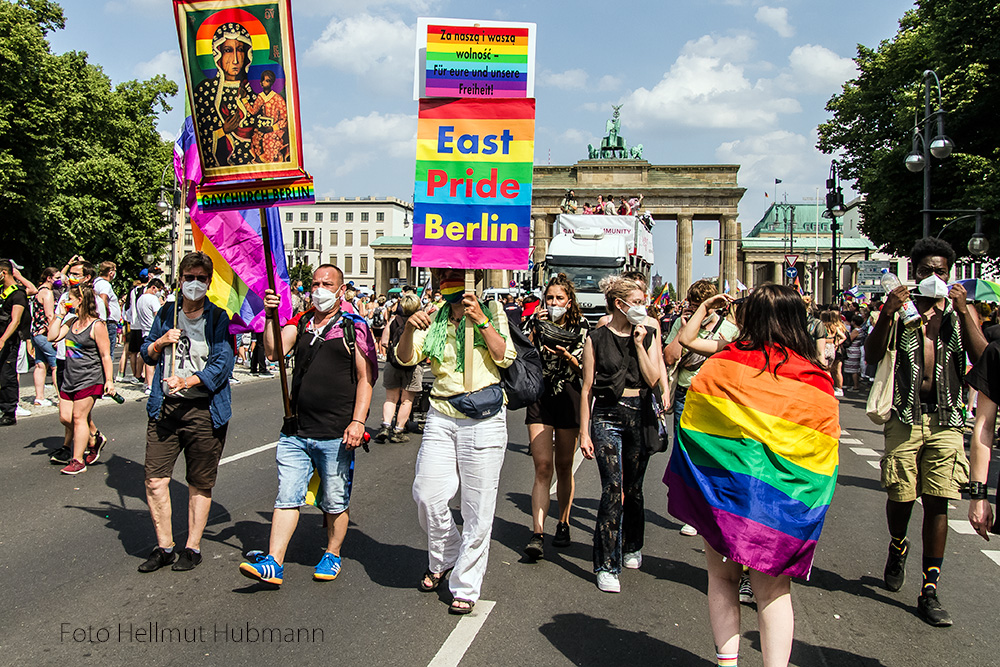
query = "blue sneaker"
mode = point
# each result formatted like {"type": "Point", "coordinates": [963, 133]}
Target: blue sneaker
{"type": "Point", "coordinates": [328, 568]}
{"type": "Point", "coordinates": [262, 567]}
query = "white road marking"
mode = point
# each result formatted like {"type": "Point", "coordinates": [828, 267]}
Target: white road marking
{"type": "Point", "coordinates": [865, 451]}
{"type": "Point", "coordinates": [461, 638]}
{"type": "Point", "coordinates": [851, 441]}
{"type": "Point", "coordinates": [577, 460]}
{"type": "Point", "coordinates": [843, 432]}
{"type": "Point", "coordinates": [961, 526]}
{"type": "Point", "coordinates": [992, 555]}
{"type": "Point", "coordinates": [249, 452]}
{"type": "Point", "coordinates": [875, 464]}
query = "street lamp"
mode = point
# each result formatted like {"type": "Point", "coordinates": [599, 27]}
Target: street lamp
{"type": "Point", "coordinates": [940, 146]}
{"type": "Point", "coordinates": [834, 211]}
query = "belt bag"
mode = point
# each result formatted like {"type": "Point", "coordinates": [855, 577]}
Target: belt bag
{"type": "Point", "coordinates": [480, 404]}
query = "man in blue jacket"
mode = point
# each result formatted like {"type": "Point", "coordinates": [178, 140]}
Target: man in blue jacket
{"type": "Point", "coordinates": [189, 409]}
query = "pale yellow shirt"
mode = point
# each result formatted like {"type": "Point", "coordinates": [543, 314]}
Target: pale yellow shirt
{"type": "Point", "coordinates": [448, 381]}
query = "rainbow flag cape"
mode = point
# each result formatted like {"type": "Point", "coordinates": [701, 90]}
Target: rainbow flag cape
{"type": "Point", "coordinates": [756, 459]}
{"type": "Point", "coordinates": [234, 242]}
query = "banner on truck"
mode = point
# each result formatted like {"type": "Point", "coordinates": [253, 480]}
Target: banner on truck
{"type": "Point", "coordinates": [638, 238]}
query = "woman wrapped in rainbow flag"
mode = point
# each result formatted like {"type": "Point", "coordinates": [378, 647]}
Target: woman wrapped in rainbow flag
{"type": "Point", "coordinates": [755, 463]}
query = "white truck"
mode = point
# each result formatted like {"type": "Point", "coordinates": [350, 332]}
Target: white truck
{"type": "Point", "coordinates": [589, 247]}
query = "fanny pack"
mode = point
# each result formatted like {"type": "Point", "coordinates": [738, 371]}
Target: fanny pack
{"type": "Point", "coordinates": [479, 404]}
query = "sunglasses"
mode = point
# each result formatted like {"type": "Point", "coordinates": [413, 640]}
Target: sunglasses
{"type": "Point", "coordinates": [187, 277]}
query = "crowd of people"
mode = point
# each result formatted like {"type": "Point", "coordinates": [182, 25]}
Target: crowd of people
{"type": "Point", "coordinates": [752, 383]}
{"type": "Point", "coordinates": [605, 205]}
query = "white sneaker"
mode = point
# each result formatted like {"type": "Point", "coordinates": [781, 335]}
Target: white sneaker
{"type": "Point", "coordinates": [22, 412]}
{"type": "Point", "coordinates": [149, 391]}
{"type": "Point", "coordinates": [43, 403]}
{"type": "Point", "coordinates": [632, 560]}
{"type": "Point", "coordinates": [688, 530]}
{"type": "Point", "coordinates": [608, 582]}
{"type": "Point", "coordinates": [838, 392]}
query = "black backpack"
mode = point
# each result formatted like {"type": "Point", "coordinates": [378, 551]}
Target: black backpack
{"type": "Point", "coordinates": [378, 318]}
{"type": "Point", "coordinates": [396, 327]}
{"type": "Point", "coordinates": [522, 381]}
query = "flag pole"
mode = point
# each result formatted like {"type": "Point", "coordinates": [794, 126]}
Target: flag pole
{"type": "Point", "coordinates": [470, 286]}
{"type": "Point", "coordinates": [269, 266]}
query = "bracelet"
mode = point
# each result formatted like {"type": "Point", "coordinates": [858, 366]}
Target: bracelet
{"type": "Point", "coordinates": [483, 325]}
{"type": "Point", "coordinates": [977, 491]}
{"type": "Point", "coordinates": [357, 420]}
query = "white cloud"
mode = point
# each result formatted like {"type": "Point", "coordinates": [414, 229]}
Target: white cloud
{"type": "Point", "coordinates": [707, 87]}
{"type": "Point", "coordinates": [378, 50]}
{"type": "Point", "coordinates": [608, 82]}
{"type": "Point", "coordinates": [775, 18]}
{"type": "Point", "coordinates": [356, 142]}
{"type": "Point", "coordinates": [165, 62]}
{"type": "Point", "coordinates": [818, 68]}
{"type": "Point", "coordinates": [571, 79]}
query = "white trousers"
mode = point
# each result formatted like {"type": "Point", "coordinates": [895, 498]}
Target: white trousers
{"type": "Point", "coordinates": [469, 452]}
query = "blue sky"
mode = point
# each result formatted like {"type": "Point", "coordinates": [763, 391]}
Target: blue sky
{"type": "Point", "coordinates": [702, 81]}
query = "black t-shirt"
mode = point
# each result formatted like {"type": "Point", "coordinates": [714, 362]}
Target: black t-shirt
{"type": "Point", "coordinates": [325, 398]}
{"type": "Point", "coordinates": [616, 365]}
{"type": "Point", "coordinates": [513, 312]}
{"type": "Point", "coordinates": [985, 375]}
{"type": "Point", "coordinates": [992, 333]}
{"type": "Point", "coordinates": [16, 298]}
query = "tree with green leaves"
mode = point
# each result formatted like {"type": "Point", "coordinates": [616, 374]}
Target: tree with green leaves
{"type": "Point", "coordinates": [875, 113]}
{"type": "Point", "coordinates": [80, 160]}
{"type": "Point", "coordinates": [303, 272]}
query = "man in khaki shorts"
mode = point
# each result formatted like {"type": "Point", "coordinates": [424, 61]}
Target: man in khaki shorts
{"type": "Point", "coordinates": [924, 446]}
{"type": "Point", "coordinates": [402, 383]}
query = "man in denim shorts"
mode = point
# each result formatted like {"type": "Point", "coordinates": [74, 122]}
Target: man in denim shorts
{"type": "Point", "coordinates": [335, 369]}
{"type": "Point", "coordinates": [924, 448]}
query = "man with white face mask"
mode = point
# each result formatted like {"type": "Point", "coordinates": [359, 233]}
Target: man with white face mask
{"type": "Point", "coordinates": [189, 408]}
{"type": "Point", "coordinates": [924, 449]}
{"type": "Point", "coordinates": [335, 369]}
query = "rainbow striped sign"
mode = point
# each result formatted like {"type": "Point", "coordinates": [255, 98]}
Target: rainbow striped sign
{"type": "Point", "coordinates": [472, 198]}
{"type": "Point", "coordinates": [480, 59]}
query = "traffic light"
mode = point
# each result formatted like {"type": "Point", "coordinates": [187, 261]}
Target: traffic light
{"type": "Point", "coordinates": [708, 247]}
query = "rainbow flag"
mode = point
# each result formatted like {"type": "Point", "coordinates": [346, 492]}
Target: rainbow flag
{"type": "Point", "coordinates": [755, 464]}
{"type": "Point", "coordinates": [234, 242]}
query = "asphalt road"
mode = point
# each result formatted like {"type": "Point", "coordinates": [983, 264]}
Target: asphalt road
{"type": "Point", "coordinates": [70, 547]}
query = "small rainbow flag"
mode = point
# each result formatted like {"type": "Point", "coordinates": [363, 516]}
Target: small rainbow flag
{"type": "Point", "coordinates": [469, 61]}
{"type": "Point", "coordinates": [234, 242]}
{"type": "Point", "coordinates": [755, 464]}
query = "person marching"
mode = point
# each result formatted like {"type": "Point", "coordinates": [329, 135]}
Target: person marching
{"type": "Point", "coordinates": [402, 383]}
{"type": "Point", "coordinates": [621, 364]}
{"type": "Point", "coordinates": [559, 331]}
{"type": "Point", "coordinates": [87, 374]}
{"type": "Point", "coordinates": [465, 436]}
{"type": "Point", "coordinates": [189, 408]}
{"type": "Point", "coordinates": [755, 464]}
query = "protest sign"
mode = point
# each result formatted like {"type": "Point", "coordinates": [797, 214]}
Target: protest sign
{"type": "Point", "coordinates": [481, 59]}
{"type": "Point", "coordinates": [472, 199]}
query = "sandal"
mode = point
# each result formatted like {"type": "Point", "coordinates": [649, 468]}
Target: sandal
{"type": "Point", "coordinates": [431, 581]}
{"type": "Point", "coordinates": [461, 606]}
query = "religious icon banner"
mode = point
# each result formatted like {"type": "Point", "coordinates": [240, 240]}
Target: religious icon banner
{"type": "Point", "coordinates": [472, 195]}
{"type": "Point", "coordinates": [239, 65]}
{"type": "Point", "coordinates": [480, 59]}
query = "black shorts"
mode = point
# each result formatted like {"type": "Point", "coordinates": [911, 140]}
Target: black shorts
{"type": "Point", "coordinates": [185, 426]}
{"type": "Point", "coordinates": [134, 341]}
{"type": "Point", "coordinates": [558, 411]}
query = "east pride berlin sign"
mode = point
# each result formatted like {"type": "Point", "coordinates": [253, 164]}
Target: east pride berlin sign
{"type": "Point", "coordinates": [472, 206]}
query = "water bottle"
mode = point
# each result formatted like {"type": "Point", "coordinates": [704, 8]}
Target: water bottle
{"type": "Point", "coordinates": [116, 397]}
{"type": "Point", "coordinates": [909, 313]}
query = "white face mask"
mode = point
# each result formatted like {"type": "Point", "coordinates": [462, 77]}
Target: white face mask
{"type": "Point", "coordinates": [194, 290]}
{"type": "Point", "coordinates": [324, 300]}
{"type": "Point", "coordinates": [556, 312]}
{"type": "Point", "coordinates": [636, 315]}
{"type": "Point", "coordinates": [933, 287]}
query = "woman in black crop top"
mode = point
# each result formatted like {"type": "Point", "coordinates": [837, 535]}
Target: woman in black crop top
{"type": "Point", "coordinates": [621, 363]}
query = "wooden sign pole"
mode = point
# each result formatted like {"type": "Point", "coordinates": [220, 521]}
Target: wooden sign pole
{"type": "Point", "coordinates": [470, 286]}
{"type": "Point", "coordinates": [269, 265]}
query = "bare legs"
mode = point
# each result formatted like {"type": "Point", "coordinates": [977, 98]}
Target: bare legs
{"type": "Point", "coordinates": [548, 457]}
{"type": "Point", "coordinates": [775, 618]}
{"type": "Point", "coordinates": [199, 503]}
{"type": "Point", "coordinates": [75, 416]}
{"type": "Point", "coordinates": [283, 523]}
{"type": "Point", "coordinates": [405, 400]}
{"type": "Point", "coordinates": [39, 378]}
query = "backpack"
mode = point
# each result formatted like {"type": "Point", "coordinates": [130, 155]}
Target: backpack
{"type": "Point", "coordinates": [396, 328]}
{"type": "Point", "coordinates": [522, 381]}
{"type": "Point", "coordinates": [378, 318]}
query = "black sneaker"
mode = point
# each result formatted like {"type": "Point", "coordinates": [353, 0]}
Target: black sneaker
{"type": "Point", "coordinates": [159, 558]}
{"type": "Point", "coordinates": [61, 456]}
{"type": "Point", "coordinates": [399, 437]}
{"type": "Point", "coordinates": [895, 567]}
{"type": "Point", "coordinates": [561, 538]}
{"type": "Point", "coordinates": [746, 590]}
{"type": "Point", "coordinates": [8, 420]}
{"type": "Point", "coordinates": [930, 610]}
{"type": "Point", "coordinates": [383, 434]}
{"type": "Point", "coordinates": [187, 559]}
{"type": "Point", "coordinates": [536, 546]}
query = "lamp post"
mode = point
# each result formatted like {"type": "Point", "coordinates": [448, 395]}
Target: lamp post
{"type": "Point", "coordinates": [940, 146]}
{"type": "Point", "coordinates": [834, 211]}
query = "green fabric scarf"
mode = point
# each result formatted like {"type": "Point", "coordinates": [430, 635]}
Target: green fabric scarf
{"type": "Point", "coordinates": [437, 335]}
